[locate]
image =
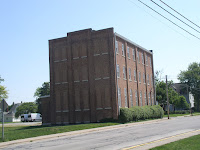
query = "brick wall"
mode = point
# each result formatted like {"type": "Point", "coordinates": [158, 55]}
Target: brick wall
{"type": "Point", "coordinates": [134, 87]}
{"type": "Point", "coordinates": [82, 77]}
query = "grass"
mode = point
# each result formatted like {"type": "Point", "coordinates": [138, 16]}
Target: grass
{"type": "Point", "coordinates": [191, 143]}
{"type": "Point", "coordinates": [22, 132]}
{"type": "Point", "coordinates": [8, 122]}
{"type": "Point", "coordinates": [176, 115]}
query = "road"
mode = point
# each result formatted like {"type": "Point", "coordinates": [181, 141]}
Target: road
{"type": "Point", "coordinates": [117, 138]}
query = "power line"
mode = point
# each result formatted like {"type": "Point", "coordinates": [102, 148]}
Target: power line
{"type": "Point", "coordinates": [174, 16]}
{"type": "Point", "coordinates": [159, 20]}
{"type": "Point", "coordinates": [169, 20]}
{"type": "Point", "coordinates": [180, 14]}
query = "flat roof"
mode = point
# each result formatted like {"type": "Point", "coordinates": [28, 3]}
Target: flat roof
{"type": "Point", "coordinates": [131, 42]}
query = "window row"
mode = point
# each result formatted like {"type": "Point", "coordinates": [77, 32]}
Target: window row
{"type": "Point", "coordinates": [148, 99]}
{"type": "Point", "coordinates": [135, 78]}
{"type": "Point", "coordinates": [133, 54]}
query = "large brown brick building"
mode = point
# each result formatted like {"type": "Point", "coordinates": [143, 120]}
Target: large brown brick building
{"type": "Point", "coordinates": [93, 74]}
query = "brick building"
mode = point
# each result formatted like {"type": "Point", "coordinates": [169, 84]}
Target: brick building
{"type": "Point", "coordinates": [93, 73]}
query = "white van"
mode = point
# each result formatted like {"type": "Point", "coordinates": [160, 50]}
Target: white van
{"type": "Point", "coordinates": [34, 117]}
{"type": "Point", "coordinates": [24, 118]}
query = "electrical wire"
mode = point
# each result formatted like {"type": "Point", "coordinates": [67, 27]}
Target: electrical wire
{"type": "Point", "coordinates": [159, 20]}
{"type": "Point", "coordinates": [180, 14]}
{"type": "Point", "coordinates": [169, 20]}
{"type": "Point", "coordinates": [174, 16]}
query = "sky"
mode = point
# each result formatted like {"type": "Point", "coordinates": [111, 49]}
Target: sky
{"type": "Point", "coordinates": [26, 27]}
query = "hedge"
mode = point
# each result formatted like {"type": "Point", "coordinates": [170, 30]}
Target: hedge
{"type": "Point", "coordinates": [140, 113]}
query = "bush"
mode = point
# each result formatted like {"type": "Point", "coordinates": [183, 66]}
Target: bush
{"type": "Point", "coordinates": [126, 115]}
{"type": "Point", "coordinates": [140, 113]}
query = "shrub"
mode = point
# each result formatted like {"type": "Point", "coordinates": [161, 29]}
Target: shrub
{"type": "Point", "coordinates": [140, 113]}
{"type": "Point", "coordinates": [126, 115]}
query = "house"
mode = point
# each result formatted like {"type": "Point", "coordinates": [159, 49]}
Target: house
{"type": "Point", "coordinates": [93, 74]}
{"type": "Point", "coordinates": [182, 89]}
{"type": "Point", "coordinates": [10, 115]}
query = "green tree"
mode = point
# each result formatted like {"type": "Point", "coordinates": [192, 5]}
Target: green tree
{"type": "Point", "coordinates": [182, 103]}
{"type": "Point", "coordinates": [25, 108]}
{"type": "Point", "coordinates": [191, 77]}
{"type": "Point", "coordinates": [41, 91]}
{"type": "Point", "coordinates": [174, 98]}
{"type": "Point", "coordinates": [161, 96]}
{"type": "Point", "coordinates": [3, 91]}
{"type": "Point", "coordinates": [1, 79]}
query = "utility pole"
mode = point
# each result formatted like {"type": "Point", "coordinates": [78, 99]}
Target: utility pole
{"type": "Point", "coordinates": [3, 120]}
{"type": "Point", "coordinates": [167, 97]}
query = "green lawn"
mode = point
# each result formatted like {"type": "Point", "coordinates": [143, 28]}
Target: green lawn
{"type": "Point", "coordinates": [176, 115]}
{"type": "Point", "coordinates": [22, 132]}
{"type": "Point", "coordinates": [191, 143]}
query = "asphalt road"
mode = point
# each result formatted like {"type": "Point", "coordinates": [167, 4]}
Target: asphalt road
{"type": "Point", "coordinates": [117, 138]}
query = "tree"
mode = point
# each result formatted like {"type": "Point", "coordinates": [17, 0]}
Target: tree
{"type": "Point", "coordinates": [1, 79]}
{"type": "Point", "coordinates": [41, 91]}
{"type": "Point", "coordinates": [25, 108]}
{"type": "Point", "coordinates": [174, 98]}
{"type": "Point", "coordinates": [191, 77]}
{"type": "Point", "coordinates": [161, 96]}
{"type": "Point", "coordinates": [3, 91]}
{"type": "Point", "coordinates": [182, 103]}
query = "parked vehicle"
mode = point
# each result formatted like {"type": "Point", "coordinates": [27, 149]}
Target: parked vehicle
{"type": "Point", "coordinates": [34, 117]}
{"type": "Point", "coordinates": [24, 118]}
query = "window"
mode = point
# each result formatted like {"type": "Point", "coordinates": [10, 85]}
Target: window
{"type": "Point", "coordinates": [125, 97]}
{"type": "Point", "coordinates": [146, 60]}
{"type": "Point", "coordinates": [123, 50]}
{"type": "Point", "coordinates": [124, 72]}
{"type": "Point", "coordinates": [119, 97]}
{"type": "Point", "coordinates": [145, 98]}
{"type": "Point", "coordinates": [118, 72]}
{"type": "Point", "coordinates": [128, 52]}
{"type": "Point", "coordinates": [133, 53]}
{"type": "Point", "coordinates": [152, 100]}
{"type": "Point", "coordinates": [149, 99]}
{"type": "Point", "coordinates": [136, 99]}
{"type": "Point", "coordinates": [116, 47]}
{"type": "Point", "coordinates": [150, 61]}
{"type": "Point", "coordinates": [138, 57]}
{"type": "Point", "coordinates": [148, 79]}
{"type": "Point", "coordinates": [139, 77]}
{"type": "Point", "coordinates": [131, 97]}
{"type": "Point", "coordinates": [129, 73]}
{"type": "Point", "coordinates": [144, 78]}
{"type": "Point", "coordinates": [140, 98]}
{"type": "Point", "coordinates": [142, 59]}
{"type": "Point", "coordinates": [135, 76]}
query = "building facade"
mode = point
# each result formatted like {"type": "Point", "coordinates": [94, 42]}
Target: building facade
{"type": "Point", "coordinates": [93, 74]}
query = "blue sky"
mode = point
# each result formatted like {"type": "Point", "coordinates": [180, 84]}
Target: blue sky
{"type": "Point", "coordinates": [26, 27]}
